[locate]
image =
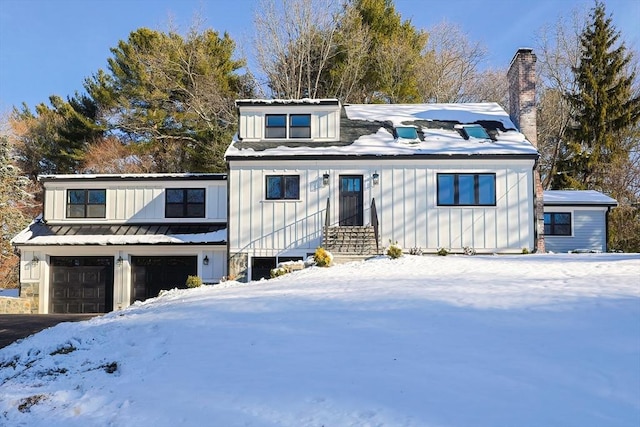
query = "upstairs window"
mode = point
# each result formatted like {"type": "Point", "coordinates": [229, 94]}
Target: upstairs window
{"type": "Point", "coordinates": [300, 126]}
{"type": "Point", "coordinates": [283, 126]}
{"type": "Point", "coordinates": [283, 187]}
{"type": "Point", "coordinates": [557, 224]}
{"type": "Point", "coordinates": [184, 203]}
{"type": "Point", "coordinates": [466, 189]}
{"type": "Point", "coordinates": [86, 203]}
{"type": "Point", "coordinates": [276, 126]}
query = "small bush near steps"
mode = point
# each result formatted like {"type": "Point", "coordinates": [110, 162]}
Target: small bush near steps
{"type": "Point", "coordinates": [394, 251]}
{"type": "Point", "coordinates": [193, 282]}
{"type": "Point", "coordinates": [322, 257]}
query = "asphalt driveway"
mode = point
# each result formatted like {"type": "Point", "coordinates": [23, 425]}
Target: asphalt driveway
{"type": "Point", "coordinates": [17, 326]}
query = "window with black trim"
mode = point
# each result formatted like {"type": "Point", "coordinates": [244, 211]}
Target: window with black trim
{"type": "Point", "coordinates": [557, 224]}
{"type": "Point", "coordinates": [86, 203]}
{"type": "Point", "coordinates": [283, 187]}
{"type": "Point", "coordinates": [466, 189]}
{"type": "Point", "coordinates": [276, 126]}
{"type": "Point", "coordinates": [300, 126]}
{"type": "Point", "coordinates": [283, 126]}
{"type": "Point", "coordinates": [184, 203]}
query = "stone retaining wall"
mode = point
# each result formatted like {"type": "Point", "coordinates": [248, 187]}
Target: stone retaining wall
{"type": "Point", "coordinates": [12, 305]}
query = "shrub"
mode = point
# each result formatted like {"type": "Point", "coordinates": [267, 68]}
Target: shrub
{"type": "Point", "coordinates": [442, 252]}
{"type": "Point", "coordinates": [394, 250]}
{"type": "Point", "coordinates": [468, 250]}
{"type": "Point", "coordinates": [525, 251]}
{"type": "Point", "coordinates": [322, 257]}
{"type": "Point", "coordinates": [277, 272]}
{"type": "Point", "coordinates": [193, 281]}
{"type": "Point", "coordinates": [415, 251]}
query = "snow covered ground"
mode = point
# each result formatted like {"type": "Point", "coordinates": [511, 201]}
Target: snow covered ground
{"type": "Point", "coordinates": [9, 293]}
{"type": "Point", "coordinates": [536, 340]}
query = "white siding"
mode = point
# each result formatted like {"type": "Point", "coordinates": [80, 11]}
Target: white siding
{"type": "Point", "coordinates": [135, 201]}
{"type": "Point", "coordinates": [325, 121]}
{"type": "Point", "coordinates": [406, 201]}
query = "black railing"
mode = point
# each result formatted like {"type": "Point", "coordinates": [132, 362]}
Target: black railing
{"type": "Point", "coordinates": [327, 221]}
{"type": "Point", "coordinates": [374, 222]}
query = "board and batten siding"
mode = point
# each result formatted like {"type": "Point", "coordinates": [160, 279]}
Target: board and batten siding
{"type": "Point", "coordinates": [325, 121]}
{"type": "Point", "coordinates": [588, 230]}
{"type": "Point", "coordinates": [135, 201]}
{"type": "Point", "coordinates": [406, 202]}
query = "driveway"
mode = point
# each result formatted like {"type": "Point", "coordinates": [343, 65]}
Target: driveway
{"type": "Point", "coordinates": [16, 326]}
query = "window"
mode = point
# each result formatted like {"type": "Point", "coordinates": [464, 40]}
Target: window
{"type": "Point", "coordinates": [86, 203]}
{"type": "Point", "coordinates": [557, 224]}
{"type": "Point", "coordinates": [276, 126]}
{"type": "Point", "coordinates": [407, 132]}
{"type": "Point", "coordinates": [283, 187]}
{"type": "Point", "coordinates": [475, 131]}
{"type": "Point", "coordinates": [466, 189]}
{"type": "Point", "coordinates": [299, 126]}
{"type": "Point", "coordinates": [184, 203]}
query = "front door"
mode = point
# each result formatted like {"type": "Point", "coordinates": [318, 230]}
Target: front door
{"type": "Point", "coordinates": [351, 201]}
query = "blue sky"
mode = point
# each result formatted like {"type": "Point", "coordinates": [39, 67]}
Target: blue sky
{"type": "Point", "coordinates": [49, 46]}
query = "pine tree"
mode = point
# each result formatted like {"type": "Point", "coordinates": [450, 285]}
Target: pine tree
{"type": "Point", "coordinates": [603, 105]}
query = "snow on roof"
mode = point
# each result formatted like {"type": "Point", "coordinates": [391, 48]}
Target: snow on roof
{"type": "Point", "coordinates": [135, 176]}
{"type": "Point", "coordinates": [306, 101]}
{"type": "Point", "coordinates": [577, 197]}
{"type": "Point", "coordinates": [430, 119]}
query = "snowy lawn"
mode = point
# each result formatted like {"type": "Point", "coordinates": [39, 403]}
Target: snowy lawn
{"type": "Point", "coordinates": [9, 293]}
{"type": "Point", "coordinates": [537, 340]}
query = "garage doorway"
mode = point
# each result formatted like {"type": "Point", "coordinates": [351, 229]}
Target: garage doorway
{"type": "Point", "coordinates": [81, 285]}
{"type": "Point", "coordinates": [150, 275]}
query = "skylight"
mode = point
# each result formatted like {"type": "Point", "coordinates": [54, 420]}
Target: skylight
{"type": "Point", "coordinates": [407, 132]}
{"type": "Point", "coordinates": [476, 131]}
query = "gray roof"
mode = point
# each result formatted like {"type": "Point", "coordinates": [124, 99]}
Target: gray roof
{"type": "Point", "coordinates": [41, 233]}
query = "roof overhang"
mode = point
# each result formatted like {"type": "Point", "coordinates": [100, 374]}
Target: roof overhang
{"type": "Point", "coordinates": [331, 157]}
{"type": "Point", "coordinates": [41, 234]}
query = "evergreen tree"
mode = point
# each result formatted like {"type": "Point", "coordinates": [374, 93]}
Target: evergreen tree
{"type": "Point", "coordinates": [54, 139]}
{"type": "Point", "coordinates": [394, 53]}
{"type": "Point", "coordinates": [603, 105]}
{"type": "Point", "coordinates": [173, 95]}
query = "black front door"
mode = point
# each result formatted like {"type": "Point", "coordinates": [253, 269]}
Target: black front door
{"type": "Point", "coordinates": [81, 285]}
{"type": "Point", "coordinates": [153, 274]}
{"type": "Point", "coordinates": [351, 202]}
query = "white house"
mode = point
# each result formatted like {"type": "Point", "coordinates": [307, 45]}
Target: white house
{"type": "Point", "coordinates": [576, 220]}
{"type": "Point", "coordinates": [105, 241]}
{"type": "Point", "coordinates": [304, 174]}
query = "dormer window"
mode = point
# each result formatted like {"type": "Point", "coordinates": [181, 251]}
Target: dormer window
{"type": "Point", "coordinates": [283, 126]}
{"type": "Point", "coordinates": [407, 132]}
{"type": "Point", "coordinates": [474, 131]}
{"type": "Point", "coordinates": [300, 126]}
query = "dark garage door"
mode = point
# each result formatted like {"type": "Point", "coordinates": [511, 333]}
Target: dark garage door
{"type": "Point", "coordinates": [153, 274]}
{"type": "Point", "coordinates": [81, 285]}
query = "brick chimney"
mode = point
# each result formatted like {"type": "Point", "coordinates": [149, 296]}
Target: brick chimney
{"type": "Point", "coordinates": [522, 110]}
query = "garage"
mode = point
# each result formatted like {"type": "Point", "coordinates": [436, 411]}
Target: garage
{"type": "Point", "coordinates": [150, 275]}
{"type": "Point", "coordinates": [81, 285]}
